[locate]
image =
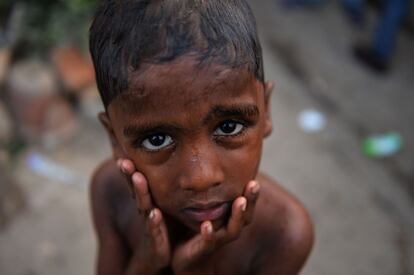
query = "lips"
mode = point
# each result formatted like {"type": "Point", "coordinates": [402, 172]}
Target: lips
{"type": "Point", "coordinates": [207, 212]}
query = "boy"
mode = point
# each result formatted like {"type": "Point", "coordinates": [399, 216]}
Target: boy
{"type": "Point", "coordinates": [187, 109]}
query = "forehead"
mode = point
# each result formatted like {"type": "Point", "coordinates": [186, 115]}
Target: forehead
{"type": "Point", "coordinates": [164, 87]}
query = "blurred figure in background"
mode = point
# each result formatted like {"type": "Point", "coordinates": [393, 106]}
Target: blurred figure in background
{"type": "Point", "coordinates": [378, 53]}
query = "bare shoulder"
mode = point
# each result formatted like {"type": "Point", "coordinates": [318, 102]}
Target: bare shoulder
{"type": "Point", "coordinates": [105, 176]}
{"type": "Point", "coordinates": [109, 198]}
{"type": "Point", "coordinates": [284, 229]}
{"type": "Point", "coordinates": [101, 176]}
{"type": "Point", "coordinates": [105, 181]}
{"type": "Point", "coordinates": [107, 190]}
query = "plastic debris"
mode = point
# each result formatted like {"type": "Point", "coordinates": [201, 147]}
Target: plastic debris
{"type": "Point", "coordinates": [48, 168]}
{"type": "Point", "coordinates": [385, 145]}
{"type": "Point", "coordinates": [311, 121]}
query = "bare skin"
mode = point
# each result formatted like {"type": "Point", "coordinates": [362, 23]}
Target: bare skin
{"type": "Point", "coordinates": [182, 195]}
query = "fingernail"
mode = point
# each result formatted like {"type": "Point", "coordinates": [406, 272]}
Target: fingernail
{"type": "Point", "coordinates": [122, 167]}
{"type": "Point", "coordinates": [256, 187]}
{"type": "Point", "coordinates": [209, 229]}
{"type": "Point", "coordinates": [152, 214]}
{"type": "Point", "coordinates": [243, 205]}
{"type": "Point", "coordinates": [135, 177]}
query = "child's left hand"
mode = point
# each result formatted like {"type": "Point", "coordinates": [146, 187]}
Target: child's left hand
{"type": "Point", "coordinates": [192, 256]}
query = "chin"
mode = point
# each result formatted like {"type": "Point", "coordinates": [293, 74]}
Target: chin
{"type": "Point", "coordinates": [195, 227]}
{"type": "Point", "coordinates": [219, 224]}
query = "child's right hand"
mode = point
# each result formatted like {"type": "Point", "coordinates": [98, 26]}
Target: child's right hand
{"type": "Point", "coordinates": [192, 255]}
{"type": "Point", "coordinates": [154, 253]}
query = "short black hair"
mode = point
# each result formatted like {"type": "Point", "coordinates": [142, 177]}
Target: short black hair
{"type": "Point", "coordinates": [128, 33]}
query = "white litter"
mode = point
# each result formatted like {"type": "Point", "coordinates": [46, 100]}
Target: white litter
{"type": "Point", "coordinates": [49, 169]}
{"type": "Point", "coordinates": [311, 121]}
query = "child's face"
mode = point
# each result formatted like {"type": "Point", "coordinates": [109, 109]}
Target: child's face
{"type": "Point", "coordinates": [195, 133]}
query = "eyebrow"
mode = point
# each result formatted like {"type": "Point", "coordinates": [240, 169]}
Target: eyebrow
{"type": "Point", "coordinates": [147, 128]}
{"type": "Point", "coordinates": [244, 110]}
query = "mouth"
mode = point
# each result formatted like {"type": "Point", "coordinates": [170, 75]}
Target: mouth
{"type": "Point", "coordinates": [207, 212]}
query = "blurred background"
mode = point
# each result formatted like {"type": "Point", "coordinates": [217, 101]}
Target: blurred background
{"type": "Point", "coordinates": [343, 140]}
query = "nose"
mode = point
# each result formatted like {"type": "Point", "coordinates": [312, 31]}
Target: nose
{"type": "Point", "coordinates": [202, 169]}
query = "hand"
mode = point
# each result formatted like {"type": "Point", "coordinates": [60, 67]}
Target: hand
{"type": "Point", "coordinates": [188, 256]}
{"type": "Point", "coordinates": [153, 254]}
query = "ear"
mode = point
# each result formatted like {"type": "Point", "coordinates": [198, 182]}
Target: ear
{"type": "Point", "coordinates": [116, 147]}
{"type": "Point", "coordinates": [268, 90]}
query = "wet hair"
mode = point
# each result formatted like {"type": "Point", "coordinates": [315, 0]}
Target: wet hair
{"type": "Point", "coordinates": [125, 34]}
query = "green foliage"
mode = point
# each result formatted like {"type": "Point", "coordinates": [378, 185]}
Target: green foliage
{"type": "Point", "coordinates": [53, 22]}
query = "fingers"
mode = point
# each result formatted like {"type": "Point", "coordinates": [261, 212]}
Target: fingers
{"type": "Point", "coordinates": [142, 193]}
{"type": "Point", "coordinates": [207, 242]}
{"type": "Point", "coordinates": [138, 185]}
{"type": "Point", "coordinates": [196, 248]}
{"type": "Point", "coordinates": [237, 218]}
{"type": "Point", "coordinates": [251, 193]}
{"type": "Point", "coordinates": [203, 243]}
{"type": "Point", "coordinates": [236, 221]}
{"type": "Point", "coordinates": [127, 168]}
{"type": "Point", "coordinates": [158, 232]}
{"type": "Point", "coordinates": [241, 213]}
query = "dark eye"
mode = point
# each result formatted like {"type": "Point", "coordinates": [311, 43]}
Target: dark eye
{"type": "Point", "coordinates": [156, 142]}
{"type": "Point", "coordinates": [229, 128]}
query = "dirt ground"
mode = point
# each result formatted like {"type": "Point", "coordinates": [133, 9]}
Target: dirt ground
{"type": "Point", "coordinates": [362, 208]}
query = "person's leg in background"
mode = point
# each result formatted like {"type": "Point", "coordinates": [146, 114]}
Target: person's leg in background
{"type": "Point", "coordinates": [378, 55]}
{"type": "Point", "coordinates": [390, 22]}
{"type": "Point", "coordinates": [355, 10]}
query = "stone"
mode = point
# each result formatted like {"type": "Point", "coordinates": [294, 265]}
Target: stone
{"type": "Point", "coordinates": [12, 199]}
{"type": "Point", "coordinates": [90, 102]}
{"type": "Point", "coordinates": [6, 128]}
{"type": "Point", "coordinates": [76, 72]}
{"type": "Point", "coordinates": [42, 114]}
{"type": "Point", "coordinates": [5, 54]}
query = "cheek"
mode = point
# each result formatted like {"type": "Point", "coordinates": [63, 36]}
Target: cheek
{"type": "Point", "coordinates": [242, 165]}
{"type": "Point", "coordinates": [160, 184]}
